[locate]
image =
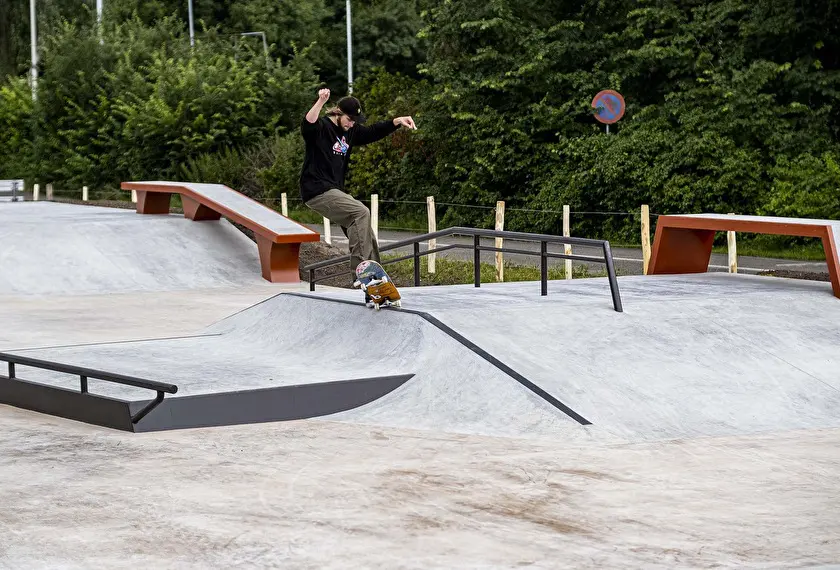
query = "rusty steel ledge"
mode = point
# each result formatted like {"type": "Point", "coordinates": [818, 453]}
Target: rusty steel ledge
{"type": "Point", "coordinates": [683, 244]}
{"type": "Point", "coordinates": [279, 252]}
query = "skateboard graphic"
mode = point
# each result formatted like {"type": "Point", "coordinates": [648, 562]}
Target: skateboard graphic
{"type": "Point", "coordinates": [374, 281]}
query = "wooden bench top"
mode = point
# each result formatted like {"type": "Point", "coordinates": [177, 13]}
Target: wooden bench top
{"type": "Point", "coordinates": [683, 243]}
{"type": "Point", "coordinates": [234, 206]}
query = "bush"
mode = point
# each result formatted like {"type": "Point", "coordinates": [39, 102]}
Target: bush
{"type": "Point", "coordinates": [145, 105]}
{"type": "Point", "coordinates": [805, 187]}
{"type": "Point", "coordinates": [16, 130]}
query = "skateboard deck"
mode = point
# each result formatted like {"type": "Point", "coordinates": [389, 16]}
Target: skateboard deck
{"type": "Point", "coordinates": [379, 289]}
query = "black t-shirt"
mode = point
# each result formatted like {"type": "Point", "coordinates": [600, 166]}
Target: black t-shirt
{"type": "Point", "coordinates": [328, 148]}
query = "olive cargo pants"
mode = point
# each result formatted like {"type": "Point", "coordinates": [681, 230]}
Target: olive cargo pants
{"type": "Point", "coordinates": [354, 218]}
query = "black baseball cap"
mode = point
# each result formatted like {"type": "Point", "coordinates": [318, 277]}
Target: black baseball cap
{"type": "Point", "coordinates": [352, 107]}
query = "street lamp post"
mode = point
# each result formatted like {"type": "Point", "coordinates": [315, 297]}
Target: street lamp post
{"type": "Point", "coordinates": [34, 37]}
{"type": "Point", "coordinates": [192, 32]}
{"type": "Point", "coordinates": [99, 20]}
{"type": "Point", "coordinates": [265, 45]}
{"type": "Point", "coordinates": [349, 50]}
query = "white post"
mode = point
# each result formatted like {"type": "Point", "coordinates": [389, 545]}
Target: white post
{"type": "Point", "coordinates": [327, 231]}
{"type": "Point", "coordinates": [374, 215]}
{"type": "Point", "coordinates": [645, 238]}
{"type": "Point", "coordinates": [567, 249]}
{"type": "Point", "coordinates": [85, 194]}
{"type": "Point", "coordinates": [430, 213]}
{"type": "Point", "coordinates": [192, 32]}
{"type": "Point", "coordinates": [733, 250]}
{"type": "Point", "coordinates": [284, 205]}
{"type": "Point", "coordinates": [33, 33]}
{"type": "Point", "coordinates": [36, 191]}
{"type": "Point", "coordinates": [500, 226]}
{"type": "Point", "coordinates": [134, 196]}
{"type": "Point", "coordinates": [349, 50]}
{"type": "Point", "coordinates": [99, 20]}
{"type": "Point", "coordinates": [49, 191]}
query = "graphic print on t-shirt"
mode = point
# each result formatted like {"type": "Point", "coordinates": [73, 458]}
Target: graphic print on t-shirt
{"type": "Point", "coordinates": [340, 146]}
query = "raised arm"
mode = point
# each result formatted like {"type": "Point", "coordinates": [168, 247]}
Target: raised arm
{"type": "Point", "coordinates": [315, 111]}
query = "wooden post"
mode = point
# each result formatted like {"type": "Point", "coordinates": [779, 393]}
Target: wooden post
{"type": "Point", "coordinates": [327, 230]}
{"type": "Point", "coordinates": [49, 191]}
{"type": "Point", "coordinates": [567, 249]}
{"type": "Point", "coordinates": [374, 215]}
{"type": "Point", "coordinates": [645, 238]}
{"type": "Point", "coordinates": [284, 205]}
{"type": "Point", "coordinates": [85, 194]}
{"type": "Point", "coordinates": [430, 211]}
{"type": "Point", "coordinates": [36, 191]}
{"type": "Point", "coordinates": [733, 250]}
{"type": "Point", "coordinates": [500, 226]}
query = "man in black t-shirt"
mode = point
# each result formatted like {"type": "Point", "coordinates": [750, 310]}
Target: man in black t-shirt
{"type": "Point", "coordinates": [329, 141]}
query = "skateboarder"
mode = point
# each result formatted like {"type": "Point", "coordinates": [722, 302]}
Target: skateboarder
{"type": "Point", "coordinates": [329, 142]}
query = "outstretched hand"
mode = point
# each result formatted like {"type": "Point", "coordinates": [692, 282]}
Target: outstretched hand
{"type": "Point", "coordinates": [405, 122]}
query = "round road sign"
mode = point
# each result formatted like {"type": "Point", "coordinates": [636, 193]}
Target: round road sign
{"type": "Point", "coordinates": [609, 105]}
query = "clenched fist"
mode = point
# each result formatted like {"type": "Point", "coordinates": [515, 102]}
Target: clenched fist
{"type": "Point", "coordinates": [324, 95]}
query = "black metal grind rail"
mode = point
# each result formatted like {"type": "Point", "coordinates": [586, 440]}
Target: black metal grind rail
{"type": "Point", "coordinates": [85, 373]}
{"type": "Point", "coordinates": [477, 248]}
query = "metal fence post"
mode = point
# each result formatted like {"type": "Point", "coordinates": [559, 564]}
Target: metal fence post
{"type": "Point", "coordinates": [477, 260]}
{"type": "Point", "coordinates": [417, 264]}
{"type": "Point", "coordinates": [544, 268]}
{"type": "Point", "coordinates": [616, 297]}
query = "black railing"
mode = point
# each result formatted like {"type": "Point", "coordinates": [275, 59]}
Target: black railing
{"type": "Point", "coordinates": [477, 248]}
{"type": "Point", "coordinates": [86, 373]}
{"type": "Point", "coordinates": [13, 190]}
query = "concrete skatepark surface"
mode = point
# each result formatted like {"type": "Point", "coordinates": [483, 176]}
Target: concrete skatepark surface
{"type": "Point", "coordinates": [691, 355]}
{"type": "Point", "coordinates": [318, 494]}
{"type": "Point", "coordinates": [714, 402]}
{"type": "Point", "coordinates": [49, 248]}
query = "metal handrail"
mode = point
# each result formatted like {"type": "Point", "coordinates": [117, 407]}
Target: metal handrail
{"type": "Point", "coordinates": [87, 373]}
{"type": "Point", "coordinates": [477, 248]}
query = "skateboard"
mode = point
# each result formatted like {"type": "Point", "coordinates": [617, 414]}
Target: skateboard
{"type": "Point", "coordinates": [378, 287]}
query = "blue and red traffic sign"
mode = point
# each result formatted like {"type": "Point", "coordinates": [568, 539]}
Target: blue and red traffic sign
{"type": "Point", "coordinates": [609, 106]}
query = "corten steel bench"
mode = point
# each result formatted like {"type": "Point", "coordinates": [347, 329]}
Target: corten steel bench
{"type": "Point", "coordinates": [278, 237]}
{"type": "Point", "coordinates": [683, 244]}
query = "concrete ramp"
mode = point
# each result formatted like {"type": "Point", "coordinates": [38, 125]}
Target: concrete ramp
{"type": "Point", "coordinates": [288, 340]}
{"type": "Point", "coordinates": [691, 355]}
{"type": "Point", "coordinates": [694, 355]}
{"type": "Point", "coordinates": [50, 248]}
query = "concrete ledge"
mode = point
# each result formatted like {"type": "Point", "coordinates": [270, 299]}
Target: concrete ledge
{"type": "Point", "coordinates": [278, 237]}
{"type": "Point", "coordinates": [683, 244]}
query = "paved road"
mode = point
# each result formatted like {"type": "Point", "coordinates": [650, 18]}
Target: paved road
{"type": "Point", "coordinates": [628, 261]}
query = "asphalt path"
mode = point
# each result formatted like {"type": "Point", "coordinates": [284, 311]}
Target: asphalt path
{"type": "Point", "coordinates": [628, 261]}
